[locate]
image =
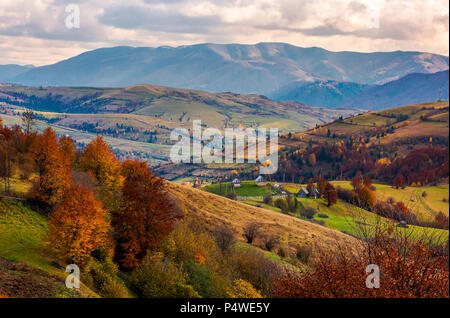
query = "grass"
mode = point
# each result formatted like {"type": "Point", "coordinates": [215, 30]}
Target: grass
{"type": "Point", "coordinates": [18, 186]}
{"type": "Point", "coordinates": [425, 208]}
{"type": "Point", "coordinates": [22, 233]}
{"type": "Point", "coordinates": [247, 189]}
{"type": "Point", "coordinates": [212, 210]}
{"type": "Point", "coordinates": [348, 219]}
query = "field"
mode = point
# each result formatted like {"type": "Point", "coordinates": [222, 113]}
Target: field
{"type": "Point", "coordinates": [424, 207]}
{"type": "Point", "coordinates": [247, 189]}
{"type": "Point", "coordinates": [408, 122]}
{"type": "Point", "coordinates": [348, 219]}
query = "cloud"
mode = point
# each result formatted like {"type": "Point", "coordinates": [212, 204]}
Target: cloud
{"type": "Point", "coordinates": [359, 25]}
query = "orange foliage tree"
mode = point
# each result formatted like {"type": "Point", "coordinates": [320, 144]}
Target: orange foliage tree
{"type": "Point", "coordinates": [367, 198]}
{"type": "Point", "coordinates": [146, 216]}
{"type": "Point", "coordinates": [67, 149]}
{"type": "Point", "coordinates": [330, 194]}
{"type": "Point", "coordinates": [441, 221]}
{"type": "Point", "coordinates": [99, 161]}
{"type": "Point", "coordinates": [78, 225]}
{"type": "Point", "coordinates": [54, 173]}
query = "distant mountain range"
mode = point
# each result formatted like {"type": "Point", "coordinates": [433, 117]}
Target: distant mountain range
{"type": "Point", "coordinates": [10, 71]}
{"type": "Point", "coordinates": [309, 75]}
{"type": "Point", "coordinates": [330, 93]}
{"type": "Point", "coordinates": [411, 89]}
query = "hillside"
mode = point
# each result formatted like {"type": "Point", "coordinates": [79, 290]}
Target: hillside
{"type": "Point", "coordinates": [138, 120]}
{"type": "Point", "coordinates": [214, 210]}
{"type": "Point", "coordinates": [412, 89]}
{"type": "Point", "coordinates": [27, 267]}
{"type": "Point", "coordinates": [410, 140]}
{"type": "Point", "coordinates": [418, 122]}
{"type": "Point", "coordinates": [345, 217]}
{"type": "Point", "coordinates": [322, 93]}
{"type": "Point", "coordinates": [262, 68]}
{"type": "Point", "coordinates": [169, 104]}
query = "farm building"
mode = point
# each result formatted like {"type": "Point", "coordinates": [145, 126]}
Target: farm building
{"type": "Point", "coordinates": [260, 181]}
{"type": "Point", "coordinates": [302, 193]}
{"type": "Point", "coordinates": [314, 194]}
{"type": "Point", "coordinates": [236, 183]}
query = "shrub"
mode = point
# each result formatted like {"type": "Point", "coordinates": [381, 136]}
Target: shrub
{"type": "Point", "coordinates": [270, 241]}
{"type": "Point", "coordinates": [254, 267]}
{"type": "Point", "coordinates": [231, 195]}
{"type": "Point", "coordinates": [157, 277]}
{"type": "Point", "coordinates": [441, 221]}
{"type": "Point", "coordinates": [205, 281]}
{"type": "Point", "coordinates": [391, 200]}
{"type": "Point", "coordinates": [416, 272]}
{"type": "Point", "coordinates": [281, 252]}
{"type": "Point", "coordinates": [251, 231]}
{"type": "Point", "coordinates": [320, 222]}
{"type": "Point", "coordinates": [303, 253]}
{"type": "Point", "coordinates": [308, 212]}
{"type": "Point", "coordinates": [347, 195]}
{"type": "Point", "coordinates": [281, 204]}
{"type": "Point", "coordinates": [224, 238]}
{"type": "Point", "coordinates": [268, 199]}
{"type": "Point", "coordinates": [103, 277]}
{"type": "Point", "coordinates": [243, 289]}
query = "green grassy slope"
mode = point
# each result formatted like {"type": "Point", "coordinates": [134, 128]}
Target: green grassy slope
{"type": "Point", "coordinates": [22, 233]}
{"type": "Point", "coordinates": [425, 207]}
{"type": "Point", "coordinates": [247, 189]}
{"type": "Point", "coordinates": [348, 218]}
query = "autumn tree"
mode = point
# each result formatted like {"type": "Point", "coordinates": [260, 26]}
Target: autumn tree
{"type": "Point", "coordinates": [67, 149]}
{"type": "Point", "coordinates": [400, 206]}
{"type": "Point", "coordinates": [98, 160]}
{"type": "Point", "coordinates": [321, 186]}
{"type": "Point", "coordinates": [366, 197]}
{"type": "Point", "coordinates": [8, 156]}
{"type": "Point", "coordinates": [330, 194]}
{"type": "Point", "coordinates": [312, 160]}
{"type": "Point", "coordinates": [146, 214]}
{"type": "Point", "coordinates": [78, 225]}
{"type": "Point", "coordinates": [28, 120]}
{"type": "Point", "coordinates": [357, 181]}
{"type": "Point", "coordinates": [54, 174]}
{"type": "Point", "coordinates": [310, 185]}
{"type": "Point", "coordinates": [398, 181]}
{"type": "Point", "coordinates": [367, 181]}
{"type": "Point", "coordinates": [441, 221]}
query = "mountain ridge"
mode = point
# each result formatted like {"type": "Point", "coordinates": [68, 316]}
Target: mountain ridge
{"type": "Point", "coordinates": [262, 68]}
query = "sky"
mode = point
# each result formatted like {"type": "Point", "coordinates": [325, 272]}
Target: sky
{"type": "Point", "coordinates": [42, 32]}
